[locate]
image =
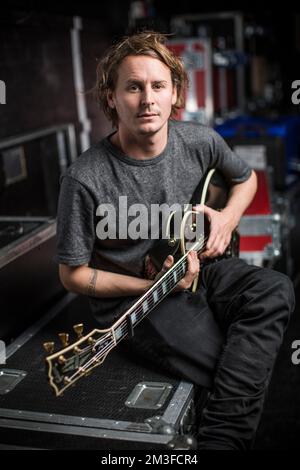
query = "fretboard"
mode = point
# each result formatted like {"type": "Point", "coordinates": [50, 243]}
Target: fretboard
{"type": "Point", "coordinates": [151, 299]}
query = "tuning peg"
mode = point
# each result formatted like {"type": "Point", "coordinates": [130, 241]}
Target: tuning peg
{"type": "Point", "coordinates": [78, 329]}
{"type": "Point", "coordinates": [62, 360]}
{"type": "Point", "coordinates": [49, 347]}
{"type": "Point", "coordinates": [64, 337]}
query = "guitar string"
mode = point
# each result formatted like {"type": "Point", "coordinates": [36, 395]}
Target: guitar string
{"type": "Point", "coordinates": [168, 283]}
{"type": "Point", "coordinates": [105, 350]}
{"type": "Point", "coordinates": [122, 328]}
{"type": "Point", "coordinates": [123, 325]}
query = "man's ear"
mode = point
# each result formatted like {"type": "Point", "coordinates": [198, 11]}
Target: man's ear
{"type": "Point", "coordinates": [110, 99]}
{"type": "Point", "coordinates": [174, 95]}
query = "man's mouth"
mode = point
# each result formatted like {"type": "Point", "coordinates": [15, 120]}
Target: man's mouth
{"type": "Point", "coordinates": [147, 115]}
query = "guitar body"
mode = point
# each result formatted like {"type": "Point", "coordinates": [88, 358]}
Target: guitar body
{"type": "Point", "coordinates": [213, 192]}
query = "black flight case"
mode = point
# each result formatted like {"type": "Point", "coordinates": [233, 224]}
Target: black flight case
{"type": "Point", "coordinates": [123, 404]}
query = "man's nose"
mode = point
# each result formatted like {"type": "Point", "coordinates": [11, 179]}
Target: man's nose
{"type": "Point", "coordinates": [147, 97]}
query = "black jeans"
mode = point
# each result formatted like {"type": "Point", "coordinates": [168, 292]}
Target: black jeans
{"type": "Point", "coordinates": [225, 337]}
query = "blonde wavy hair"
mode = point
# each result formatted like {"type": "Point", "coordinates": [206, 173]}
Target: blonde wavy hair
{"type": "Point", "coordinates": [148, 43]}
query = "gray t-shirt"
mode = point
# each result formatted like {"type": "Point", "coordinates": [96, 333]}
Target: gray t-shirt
{"type": "Point", "coordinates": [103, 173]}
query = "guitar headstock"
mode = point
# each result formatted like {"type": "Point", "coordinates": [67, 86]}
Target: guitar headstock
{"type": "Point", "coordinates": [77, 359]}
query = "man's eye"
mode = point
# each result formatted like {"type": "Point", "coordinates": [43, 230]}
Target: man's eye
{"type": "Point", "coordinates": [158, 86]}
{"type": "Point", "coordinates": [133, 88]}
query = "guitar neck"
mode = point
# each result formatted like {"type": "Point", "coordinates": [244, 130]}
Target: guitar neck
{"type": "Point", "coordinates": [145, 304]}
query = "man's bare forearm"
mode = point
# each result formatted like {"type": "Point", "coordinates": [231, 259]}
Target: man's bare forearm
{"type": "Point", "coordinates": [98, 283]}
{"type": "Point", "coordinates": [240, 197]}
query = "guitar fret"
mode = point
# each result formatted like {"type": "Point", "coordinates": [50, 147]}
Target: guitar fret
{"type": "Point", "coordinates": [145, 306]}
{"type": "Point", "coordinates": [182, 267]}
{"type": "Point", "coordinates": [152, 299]}
{"type": "Point", "coordinates": [134, 317]}
{"type": "Point", "coordinates": [155, 296]}
{"type": "Point", "coordinates": [118, 333]}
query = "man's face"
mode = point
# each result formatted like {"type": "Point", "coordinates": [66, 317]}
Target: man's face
{"type": "Point", "coordinates": [143, 96]}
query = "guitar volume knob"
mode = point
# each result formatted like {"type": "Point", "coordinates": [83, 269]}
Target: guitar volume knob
{"type": "Point", "coordinates": [171, 242]}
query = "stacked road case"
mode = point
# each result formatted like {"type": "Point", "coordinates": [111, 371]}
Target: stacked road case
{"type": "Point", "coordinates": [271, 148]}
{"type": "Point", "coordinates": [197, 57]}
